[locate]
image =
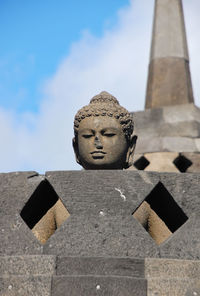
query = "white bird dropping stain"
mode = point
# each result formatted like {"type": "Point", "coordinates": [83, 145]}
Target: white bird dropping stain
{"type": "Point", "coordinates": [121, 194]}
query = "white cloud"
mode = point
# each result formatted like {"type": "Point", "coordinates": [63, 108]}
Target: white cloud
{"type": "Point", "coordinates": [116, 62]}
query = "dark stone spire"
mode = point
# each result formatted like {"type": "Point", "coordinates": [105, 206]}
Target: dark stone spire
{"type": "Point", "coordinates": [169, 81]}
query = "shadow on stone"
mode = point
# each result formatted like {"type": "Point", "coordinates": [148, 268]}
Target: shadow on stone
{"type": "Point", "coordinates": [141, 163]}
{"type": "Point", "coordinates": [159, 214]}
{"type": "Point", "coordinates": [44, 212]}
{"type": "Point", "coordinates": [182, 163]}
{"type": "Point", "coordinates": [42, 199]}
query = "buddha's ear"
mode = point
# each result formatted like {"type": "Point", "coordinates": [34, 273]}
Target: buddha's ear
{"type": "Point", "coordinates": [76, 150]}
{"type": "Point", "coordinates": [131, 149]}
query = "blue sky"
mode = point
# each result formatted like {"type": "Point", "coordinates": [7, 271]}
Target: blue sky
{"type": "Point", "coordinates": [36, 35]}
{"type": "Point", "coordinates": [56, 55]}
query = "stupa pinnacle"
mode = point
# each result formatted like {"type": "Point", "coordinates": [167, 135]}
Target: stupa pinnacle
{"type": "Point", "coordinates": [169, 81]}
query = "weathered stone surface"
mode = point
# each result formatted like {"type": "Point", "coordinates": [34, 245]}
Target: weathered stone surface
{"type": "Point", "coordinates": [173, 286]}
{"type": "Point", "coordinates": [15, 236]}
{"type": "Point", "coordinates": [161, 162]}
{"type": "Point", "coordinates": [168, 268]}
{"type": "Point", "coordinates": [169, 38]}
{"type": "Point", "coordinates": [168, 121]}
{"type": "Point", "coordinates": [185, 190]}
{"type": "Point", "coordinates": [100, 236]}
{"type": "Point", "coordinates": [94, 285]}
{"type": "Point", "coordinates": [197, 142]}
{"type": "Point", "coordinates": [28, 265]}
{"type": "Point", "coordinates": [184, 243]}
{"type": "Point", "coordinates": [100, 203]}
{"type": "Point", "coordinates": [172, 277]}
{"type": "Point", "coordinates": [169, 83]}
{"type": "Point", "coordinates": [149, 145]}
{"type": "Point", "coordinates": [181, 113]}
{"type": "Point", "coordinates": [148, 121]}
{"type": "Point", "coordinates": [195, 159]}
{"type": "Point", "coordinates": [180, 144]}
{"type": "Point", "coordinates": [25, 286]}
{"type": "Point", "coordinates": [100, 266]}
{"type": "Point", "coordinates": [164, 144]}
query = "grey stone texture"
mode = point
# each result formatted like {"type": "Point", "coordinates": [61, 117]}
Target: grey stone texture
{"type": "Point", "coordinates": [172, 121]}
{"type": "Point", "coordinates": [25, 286]}
{"type": "Point", "coordinates": [95, 250]}
{"type": "Point", "coordinates": [169, 80]}
{"type": "Point", "coordinates": [26, 275]}
{"type": "Point", "coordinates": [169, 83]}
{"type": "Point", "coordinates": [172, 277]}
{"type": "Point", "coordinates": [169, 37]}
{"type": "Point", "coordinates": [101, 204]}
{"type": "Point", "coordinates": [104, 266]}
{"type": "Point", "coordinates": [166, 131]}
{"type": "Point", "coordinates": [27, 265]}
{"type": "Point", "coordinates": [15, 236]}
{"type": "Point", "coordinates": [98, 285]}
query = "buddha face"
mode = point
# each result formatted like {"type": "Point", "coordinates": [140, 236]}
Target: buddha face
{"type": "Point", "coordinates": [101, 143]}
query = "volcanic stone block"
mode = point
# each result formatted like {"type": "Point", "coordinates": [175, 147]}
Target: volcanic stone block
{"type": "Point", "coordinates": [100, 266]}
{"type": "Point", "coordinates": [169, 83]}
{"type": "Point", "coordinates": [27, 265]}
{"type": "Point", "coordinates": [25, 286]}
{"type": "Point", "coordinates": [169, 268]}
{"type": "Point", "coordinates": [184, 243]}
{"type": "Point", "coordinates": [98, 285]}
{"type": "Point", "coordinates": [15, 236]}
{"type": "Point", "coordinates": [181, 113]}
{"type": "Point", "coordinates": [172, 277]}
{"type": "Point", "coordinates": [101, 236]}
{"type": "Point", "coordinates": [195, 159]}
{"type": "Point", "coordinates": [147, 122]}
{"type": "Point", "coordinates": [185, 190]}
{"type": "Point", "coordinates": [169, 121]}
{"type": "Point", "coordinates": [169, 31]}
{"type": "Point", "coordinates": [161, 161]}
{"type": "Point", "coordinates": [148, 144]}
{"type": "Point", "coordinates": [164, 144]}
{"type": "Point", "coordinates": [101, 205]}
{"type": "Point", "coordinates": [173, 286]}
{"type": "Point", "coordinates": [197, 142]}
{"type": "Point", "coordinates": [180, 144]}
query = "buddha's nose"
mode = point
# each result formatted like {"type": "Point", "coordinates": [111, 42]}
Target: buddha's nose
{"type": "Point", "coordinates": [98, 143]}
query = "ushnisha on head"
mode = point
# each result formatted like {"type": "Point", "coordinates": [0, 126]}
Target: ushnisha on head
{"type": "Point", "coordinates": [103, 134]}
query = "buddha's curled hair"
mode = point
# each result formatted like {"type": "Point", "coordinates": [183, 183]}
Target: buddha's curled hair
{"type": "Point", "coordinates": [105, 104]}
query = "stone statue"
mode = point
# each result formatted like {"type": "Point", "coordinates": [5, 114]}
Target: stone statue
{"type": "Point", "coordinates": [104, 134]}
{"type": "Point", "coordinates": [103, 139]}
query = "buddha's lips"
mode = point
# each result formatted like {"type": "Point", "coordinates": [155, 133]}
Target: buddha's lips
{"type": "Point", "coordinates": [97, 152]}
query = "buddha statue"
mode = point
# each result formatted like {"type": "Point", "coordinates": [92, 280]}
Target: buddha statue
{"type": "Point", "coordinates": [103, 139]}
{"type": "Point", "coordinates": [104, 135]}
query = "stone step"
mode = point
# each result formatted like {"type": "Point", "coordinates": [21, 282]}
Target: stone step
{"type": "Point", "coordinates": [100, 266]}
{"type": "Point", "coordinates": [98, 285]}
{"type": "Point", "coordinates": [25, 285]}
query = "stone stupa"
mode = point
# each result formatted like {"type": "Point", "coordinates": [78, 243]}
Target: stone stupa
{"type": "Point", "coordinates": [104, 247]}
{"type": "Point", "coordinates": [169, 128]}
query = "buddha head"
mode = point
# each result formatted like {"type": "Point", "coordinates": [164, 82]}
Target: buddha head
{"type": "Point", "coordinates": [103, 134]}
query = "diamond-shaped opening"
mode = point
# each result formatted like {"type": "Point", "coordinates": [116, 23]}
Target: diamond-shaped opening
{"type": "Point", "coordinates": [44, 212]}
{"type": "Point", "coordinates": [182, 163]}
{"type": "Point", "coordinates": [159, 214]}
{"type": "Point", "coordinates": [141, 163]}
